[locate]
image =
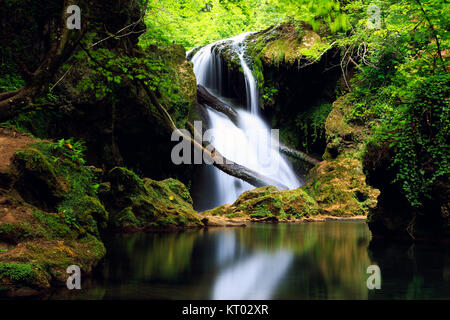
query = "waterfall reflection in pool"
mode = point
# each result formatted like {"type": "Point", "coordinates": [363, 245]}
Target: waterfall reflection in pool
{"type": "Point", "coordinates": [287, 261]}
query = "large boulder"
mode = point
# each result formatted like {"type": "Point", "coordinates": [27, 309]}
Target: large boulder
{"type": "Point", "coordinates": [145, 204]}
{"type": "Point", "coordinates": [269, 203]}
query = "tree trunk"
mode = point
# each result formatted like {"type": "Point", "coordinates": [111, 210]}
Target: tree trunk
{"type": "Point", "coordinates": [205, 97]}
{"type": "Point", "coordinates": [61, 49]}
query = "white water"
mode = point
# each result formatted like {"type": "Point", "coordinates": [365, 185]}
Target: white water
{"type": "Point", "coordinates": [250, 144]}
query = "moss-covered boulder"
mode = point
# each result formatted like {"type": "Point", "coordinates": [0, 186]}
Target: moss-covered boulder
{"type": "Point", "coordinates": [269, 202]}
{"type": "Point", "coordinates": [342, 135]}
{"type": "Point", "coordinates": [286, 43]}
{"type": "Point", "coordinates": [37, 181]}
{"type": "Point", "coordinates": [146, 204]}
{"type": "Point", "coordinates": [52, 177]}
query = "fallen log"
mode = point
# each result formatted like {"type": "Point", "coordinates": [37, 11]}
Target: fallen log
{"type": "Point", "coordinates": [245, 174]}
{"type": "Point", "coordinates": [298, 155]}
{"type": "Point", "coordinates": [229, 167]}
{"type": "Point", "coordinates": [205, 97]}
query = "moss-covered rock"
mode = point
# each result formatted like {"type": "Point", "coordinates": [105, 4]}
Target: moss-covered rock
{"type": "Point", "coordinates": [338, 183]}
{"type": "Point", "coordinates": [343, 136]}
{"type": "Point", "coordinates": [37, 180]}
{"type": "Point", "coordinates": [52, 177]}
{"type": "Point", "coordinates": [269, 202]}
{"type": "Point", "coordinates": [285, 43]}
{"type": "Point", "coordinates": [145, 204]}
{"type": "Point", "coordinates": [339, 187]}
{"type": "Point", "coordinates": [39, 264]}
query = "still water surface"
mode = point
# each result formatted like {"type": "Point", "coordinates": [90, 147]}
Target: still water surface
{"type": "Point", "coordinates": [325, 260]}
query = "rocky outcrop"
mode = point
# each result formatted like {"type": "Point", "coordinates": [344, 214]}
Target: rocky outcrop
{"type": "Point", "coordinates": [143, 204]}
{"type": "Point", "coordinates": [269, 204]}
{"type": "Point", "coordinates": [50, 216]}
{"type": "Point", "coordinates": [338, 183]}
{"type": "Point", "coordinates": [339, 187]}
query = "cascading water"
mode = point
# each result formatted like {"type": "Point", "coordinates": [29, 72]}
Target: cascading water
{"type": "Point", "coordinates": [251, 144]}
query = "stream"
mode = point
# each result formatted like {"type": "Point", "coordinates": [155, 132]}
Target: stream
{"type": "Point", "coordinates": [326, 260]}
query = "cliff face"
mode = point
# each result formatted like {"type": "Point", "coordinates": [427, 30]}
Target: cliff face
{"type": "Point", "coordinates": [298, 79]}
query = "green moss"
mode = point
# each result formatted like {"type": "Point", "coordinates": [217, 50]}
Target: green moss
{"type": "Point", "coordinates": [145, 202]}
{"type": "Point", "coordinates": [270, 202]}
{"type": "Point", "coordinates": [261, 211]}
{"type": "Point", "coordinates": [124, 217]}
{"type": "Point", "coordinates": [125, 181]}
{"type": "Point", "coordinates": [55, 226]}
{"type": "Point", "coordinates": [311, 125]}
{"type": "Point", "coordinates": [60, 181]}
{"type": "Point", "coordinates": [16, 232]}
{"type": "Point", "coordinates": [339, 186]}
{"type": "Point", "coordinates": [21, 273]}
{"type": "Point", "coordinates": [35, 168]}
{"type": "Point", "coordinates": [178, 188]}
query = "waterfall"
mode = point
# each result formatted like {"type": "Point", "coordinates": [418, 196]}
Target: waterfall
{"type": "Point", "coordinates": [249, 144]}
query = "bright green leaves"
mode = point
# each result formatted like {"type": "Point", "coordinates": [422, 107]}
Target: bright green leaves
{"type": "Point", "coordinates": [187, 23]}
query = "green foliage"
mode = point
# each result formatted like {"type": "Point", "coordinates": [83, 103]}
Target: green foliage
{"type": "Point", "coordinates": [269, 94]}
{"type": "Point", "coordinates": [419, 133]}
{"type": "Point", "coordinates": [190, 24]}
{"type": "Point", "coordinates": [69, 149]}
{"type": "Point", "coordinates": [401, 89]}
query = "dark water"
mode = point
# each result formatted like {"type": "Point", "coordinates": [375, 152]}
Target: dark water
{"type": "Point", "coordinates": [304, 261]}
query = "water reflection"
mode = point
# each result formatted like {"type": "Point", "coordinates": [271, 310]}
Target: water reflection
{"type": "Point", "coordinates": [305, 261]}
{"type": "Point", "coordinates": [226, 247]}
{"type": "Point", "coordinates": [255, 277]}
